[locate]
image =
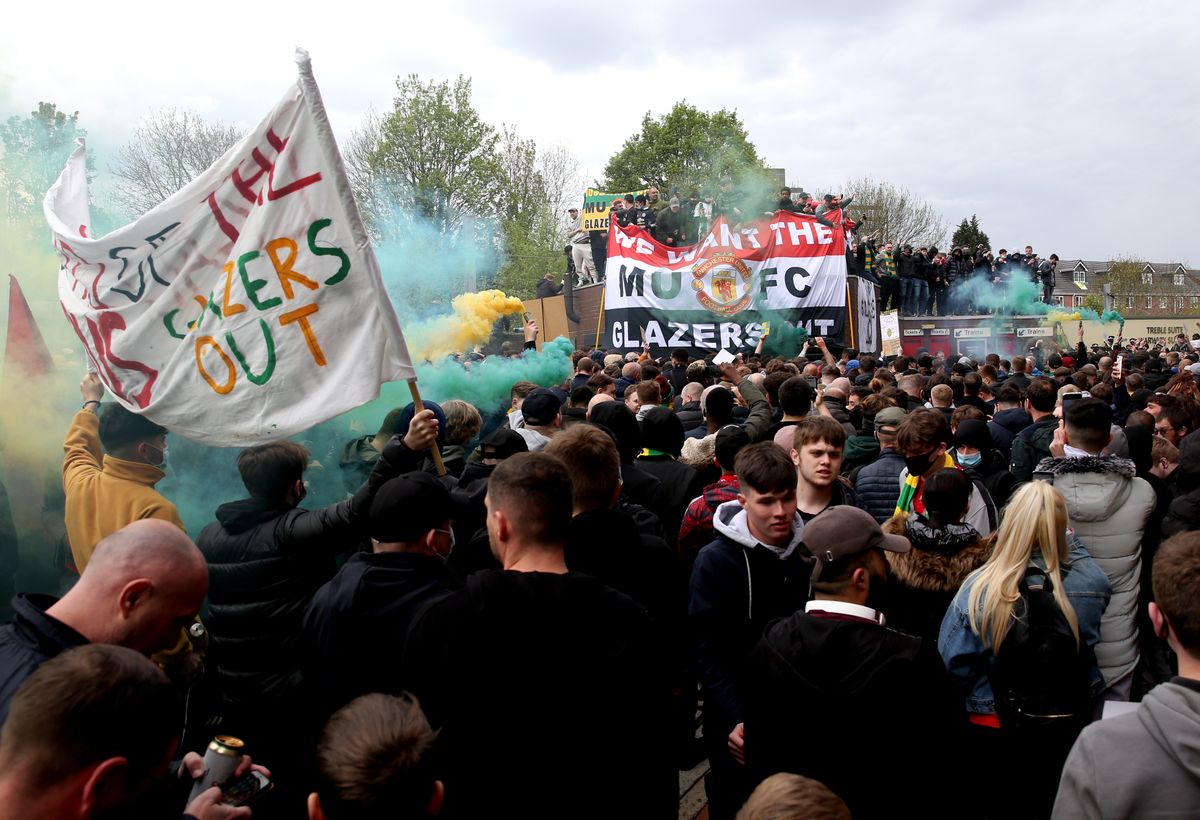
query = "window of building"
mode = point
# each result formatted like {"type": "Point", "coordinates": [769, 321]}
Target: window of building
{"type": "Point", "coordinates": [1080, 277]}
{"type": "Point", "coordinates": [1162, 302]}
{"type": "Point", "coordinates": [1179, 279]}
{"type": "Point", "coordinates": [1194, 301]}
{"type": "Point", "coordinates": [1129, 303]}
{"type": "Point", "coordinates": [1147, 278]}
{"type": "Point", "coordinates": [1178, 304]}
{"type": "Point", "coordinates": [1149, 302]}
{"type": "Point", "coordinates": [1058, 300]}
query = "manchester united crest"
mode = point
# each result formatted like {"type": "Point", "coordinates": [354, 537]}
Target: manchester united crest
{"type": "Point", "coordinates": [727, 277]}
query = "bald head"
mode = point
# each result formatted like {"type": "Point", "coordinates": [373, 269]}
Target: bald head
{"type": "Point", "coordinates": [692, 391]}
{"type": "Point", "coordinates": [632, 371]}
{"type": "Point", "coordinates": [597, 399]}
{"type": "Point", "coordinates": [142, 585]}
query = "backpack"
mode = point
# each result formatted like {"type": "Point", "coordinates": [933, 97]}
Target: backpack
{"type": "Point", "coordinates": [1041, 678]}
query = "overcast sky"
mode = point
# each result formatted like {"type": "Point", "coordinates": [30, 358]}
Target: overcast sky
{"type": "Point", "coordinates": [1071, 126]}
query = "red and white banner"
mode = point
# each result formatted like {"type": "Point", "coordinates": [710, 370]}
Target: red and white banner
{"type": "Point", "coordinates": [717, 293]}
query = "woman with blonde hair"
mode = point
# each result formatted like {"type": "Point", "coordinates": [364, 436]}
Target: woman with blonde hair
{"type": "Point", "coordinates": [1003, 613]}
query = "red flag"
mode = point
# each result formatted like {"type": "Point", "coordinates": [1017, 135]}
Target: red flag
{"type": "Point", "coordinates": [25, 353]}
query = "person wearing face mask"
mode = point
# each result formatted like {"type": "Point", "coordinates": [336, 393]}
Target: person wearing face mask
{"type": "Point", "coordinates": [113, 458]}
{"type": "Point", "coordinates": [835, 673]}
{"type": "Point", "coordinates": [266, 558]}
{"type": "Point", "coordinates": [375, 596]}
{"type": "Point", "coordinates": [973, 451]}
{"type": "Point", "coordinates": [922, 439]}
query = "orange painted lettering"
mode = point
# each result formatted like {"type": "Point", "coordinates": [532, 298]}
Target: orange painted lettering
{"type": "Point", "coordinates": [227, 308]}
{"type": "Point", "coordinates": [300, 316]}
{"type": "Point", "coordinates": [283, 267]}
{"type": "Point", "coordinates": [209, 341]}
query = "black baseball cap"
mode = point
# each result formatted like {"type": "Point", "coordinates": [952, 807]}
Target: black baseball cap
{"type": "Point", "coordinates": [408, 506]}
{"type": "Point", "coordinates": [540, 406]}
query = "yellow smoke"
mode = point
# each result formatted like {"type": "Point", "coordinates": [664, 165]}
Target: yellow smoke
{"type": "Point", "coordinates": [471, 324]}
{"type": "Point", "coordinates": [1062, 316]}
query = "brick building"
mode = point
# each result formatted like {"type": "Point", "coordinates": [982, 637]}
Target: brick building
{"type": "Point", "coordinates": [1166, 288]}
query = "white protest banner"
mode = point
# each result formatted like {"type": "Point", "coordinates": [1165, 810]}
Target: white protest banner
{"type": "Point", "coordinates": [246, 307]}
{"type": "Point", "coordinates": [889, 327]}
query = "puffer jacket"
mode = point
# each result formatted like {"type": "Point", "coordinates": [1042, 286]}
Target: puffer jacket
{"type": "Point", "coordinates": [1108, 508]}
{"type": "Point", "coordinates": [265, 562]}
{"type": "Point", "coordinates": [878, 484]}
{"type": "Point", "coordinates": [928, 576]}
{"type": "Point", "coordinates": [690, 416]}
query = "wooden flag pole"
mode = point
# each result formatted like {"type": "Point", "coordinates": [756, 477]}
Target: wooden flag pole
{"type": "Point", "coordinates": [600, 315]}
{"type": "Point", "coordinates": [418, 406]}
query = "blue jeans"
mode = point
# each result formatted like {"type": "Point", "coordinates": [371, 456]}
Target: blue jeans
{"type": "Point", "coordinates": [914, 293]}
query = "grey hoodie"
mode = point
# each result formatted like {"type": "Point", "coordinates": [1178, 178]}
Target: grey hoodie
{"type": "Point", "coordinates": [1142, 764]}
{"type": "Point", "coordinates": [730, 520]}
{"type": "Point", "coordinates": [1108, 507]}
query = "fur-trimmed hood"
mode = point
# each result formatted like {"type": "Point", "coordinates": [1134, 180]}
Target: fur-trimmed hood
{"type": "Point", "coordinates": [941, 557]}
{"type": "Point", "coordinates": [1088, 464]}
{"type": "Point", "coordinates": [1095, 486]}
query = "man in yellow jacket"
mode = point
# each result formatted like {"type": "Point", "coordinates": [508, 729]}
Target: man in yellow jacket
{"type": "Point", "coordinates": [106, 492]}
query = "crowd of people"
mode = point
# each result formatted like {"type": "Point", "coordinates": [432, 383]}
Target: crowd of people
{"type": "Point", "coordinates": [857, 587]}
{"type": "Point", "coordinates": [924, 281]}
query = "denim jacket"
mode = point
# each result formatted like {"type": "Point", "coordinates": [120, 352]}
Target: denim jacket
{"type": "Point", "coordinates": [970, 663]}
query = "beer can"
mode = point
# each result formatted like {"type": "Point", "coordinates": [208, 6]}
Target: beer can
{"type": "Point", "coordinates": [220, 759]}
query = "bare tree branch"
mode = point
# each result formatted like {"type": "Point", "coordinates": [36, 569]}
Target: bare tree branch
{"type": "Point", "coordinates": [895, 212]}
{"type": "Point", "coordinates": [169, 149]}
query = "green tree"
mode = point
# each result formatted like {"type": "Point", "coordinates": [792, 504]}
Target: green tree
{"type": "Point", "coordinates": [1124, 278]}
{"type": "Point", "coordinates": [968, 234]}
{"type": "Point", "coordinates": [436, 155]}
{"type": "Point", "coordinates": [686, 148]}
{"type": "Point", "coordinates": [1094, 301]}
{"type": "Point", "coordinates": [35, 149]}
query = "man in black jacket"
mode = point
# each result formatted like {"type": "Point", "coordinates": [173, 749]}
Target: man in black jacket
{"type": "Point", "coordinates": [356, 625]}
{"type": "Point", "coordinates": [836, 675]}
{"type": "Point", "coordinates": [144, 583]}
{"type": "Point", "coordinates": [1032, 444]}
{"type": "Point", "coordinates": [547, 288]}
{"type": "Point", "coordinates": [266, 557]}
{"type": "Point", "coordinates": [906, 269]}
{"type": "Point", "coordinates": [754, 571]}
{"type": "Point", "coordinates": [537, 677]}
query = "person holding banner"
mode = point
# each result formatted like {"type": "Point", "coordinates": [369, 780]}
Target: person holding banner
{"type": "Point", "coordinates": [111, 487]}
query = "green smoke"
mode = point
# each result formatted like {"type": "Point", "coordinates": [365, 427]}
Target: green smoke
{"type": "Point", "coordinates": [1021, 297]}
{"type": "Point", "coordinates": [487, 383]}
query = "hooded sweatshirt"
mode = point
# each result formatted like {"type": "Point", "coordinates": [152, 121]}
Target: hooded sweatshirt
{"type": "Point", "coordinates": [1108, 507]}
{"type": "Point", "coordinates": [738, 586]}
{"type": "Point", "coordinates": [1142, 764]}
